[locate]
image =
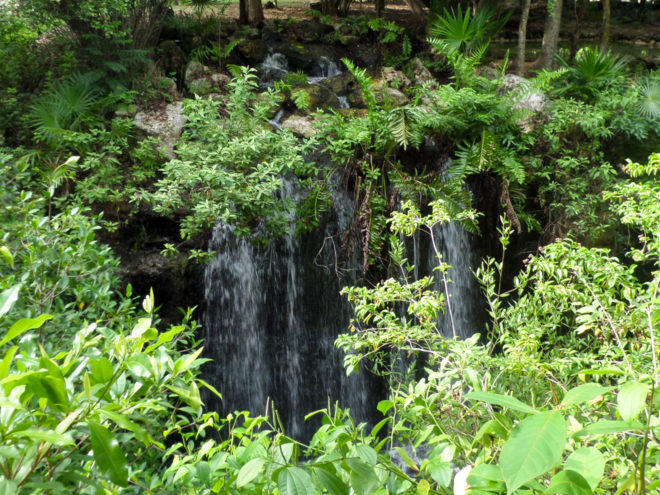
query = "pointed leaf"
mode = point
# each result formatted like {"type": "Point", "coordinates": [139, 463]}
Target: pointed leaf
{"type": "Point", "coordinates": [501, 400]}
{"type": "Point", "coordinates": [584, 393]}
{"type": "Point", "coordinates": [535, 446]}
{"type": "Point", "coordinates": [606, 427]}
{"type": "Point", "coordinates": [8, 298]}
{"type": "Point", "coordinates": [295, 481]}
{"type": "Point", "coordinates": [589, 463]}
{"type": "Point", "coordinates": [108, 454]}
{"type": "Point", "coordinates": [249, 471]}
{"type": "Point", "coordinates": [325, 480]}
{"type": "Point", "coordinates": [22, 326]}
{"type": "Point", "coordinates": [631, 400]}
{"type": "Point", "coordinates": [568, 483]}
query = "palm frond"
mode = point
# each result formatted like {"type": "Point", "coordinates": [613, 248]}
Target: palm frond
{"type": "Point", "coordinates": [649, 106]}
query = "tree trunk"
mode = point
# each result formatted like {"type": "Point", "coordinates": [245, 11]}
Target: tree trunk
{"type": "Point", "coordinates": [551, 35]}
{"type": "Point", "coordinates": [605, 29]}
{"type": "Point", "coordinates": [380, 7]}
{"type": "Point", "coordinates": [417, 8]}
{"type": "Point", "coordinates": [580, 9]}
{"type": "Point", "coordinates": [242, 12]}
{"type": "Point", "coordinates": [522, 37]}
{"type": "Point", "coordinates": [255, 12]}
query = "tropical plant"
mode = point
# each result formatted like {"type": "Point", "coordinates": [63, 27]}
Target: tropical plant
{"type": "Point", "coordinates": [592, 71]}
{"type": "Point", "coordinates": [649, 89]}
{"type": "Point", "coordinates": [66, 107]}
{"type": "Point", "coordinates": [466, 33]}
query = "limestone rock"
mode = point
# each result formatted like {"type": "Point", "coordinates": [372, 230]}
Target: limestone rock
{"type": "Point", "coordinates": [164, 122]}
{"type": "Point", "coordinates": [395, 78]}
{"type": "Point", "coordinates": [534, 101]}
{"type": "Point", "coordinates": [422, 75]}
{"type": "Point", "coordinates": [201, 80]}
{"type": "Point", "coordinates": [300, 125]}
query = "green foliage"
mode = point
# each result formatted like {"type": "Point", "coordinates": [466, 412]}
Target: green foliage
{"type": "Point", "coordinates": [465, 33]}
{"type": "Point", "coordinates": [592, 71]}
{"type": "Point", "coordinates": [67, 106]}
{"type": "Point", "coordinates": [231, 172]}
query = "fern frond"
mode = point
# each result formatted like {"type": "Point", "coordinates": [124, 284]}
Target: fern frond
{"type": "Point", "coordinates": [404, 125]}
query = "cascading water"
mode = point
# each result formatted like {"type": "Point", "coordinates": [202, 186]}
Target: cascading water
{"type": "Point", "coordinates": [271, 317]}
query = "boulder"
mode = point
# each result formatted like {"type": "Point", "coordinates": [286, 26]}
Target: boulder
{"type": "Point", "coordinates": [422, 75]}
{"type": "Point", "coordinates": [395, 78]}
{"type": "Point", "coordinates": [300, 125]}
{"type": "Point", "coordinates": [343, 84]}
{"type": "Point", "coordinates": [171, 57]}
{"type": "Point", "coordinates": [253, 50]}
{"type": "Point", "coordinates": [320, 97]}
{"type": "Point", "coordinates": [298, 55]}
{"type": "Point", "coordinates": [526, 98]}
{"type": "Point", "coordinates": [194, 70]}
{"type": "Point", "coordinates": [165, 122]}
{"type": "Point", "coordinates": [201, 80]}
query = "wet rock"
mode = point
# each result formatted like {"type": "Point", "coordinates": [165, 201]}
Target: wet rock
{"type": "Point", "coordinates": [300, 125]}
{"type": "Point", "coordinates": [298, 55]}
{"type": "Point", "coordinates": [253, 50]}
{"type": "Point", "coordinates": [165, 122]}
{"type": "Point", "coordinates": [320, 97]}
{"type": "Point", "coordinates": [343, 84]}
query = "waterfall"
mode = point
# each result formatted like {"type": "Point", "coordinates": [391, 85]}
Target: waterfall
{"type": "Point", "coordinates": [271, 317]}
{"type": "Point", "coordinates": [460, 318]}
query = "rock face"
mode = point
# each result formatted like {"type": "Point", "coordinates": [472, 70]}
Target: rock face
{"type": "Point", "coordinates": [164, 122]}
{"type": "Point", "coordinates": [300, 125]}
{"type": "Point", "coordinates": [526, 98]}
{"type": "Point", "coordinates": [421, 75]}
{"type": "Point", "coordinates": [395, 78]}
{"type": "Point", "coordinates": [201, 80]}
{"type": "Point", "coordinates": [320, 97]}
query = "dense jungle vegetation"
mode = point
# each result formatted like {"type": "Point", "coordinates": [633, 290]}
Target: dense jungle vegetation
{"type": "Point", "coordinates": [558, 393]}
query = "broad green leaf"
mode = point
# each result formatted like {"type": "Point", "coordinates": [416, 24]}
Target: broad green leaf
{"type": "Point", "coordinates": [6, 362]}
{"type": "Point", "coordinates": [22, 326]}
{"type": "Point", "coordinates": [366, 453]}
{"type": "Point", "coordinates": [407, 459]}
{"type": "Point", "coordinates": [423, 488]}
{"type": "Point", "coordinates": [8, 298]}
{"type": "Point", "coordinates": [295, 481]}
{"type": "Point", "coordinates": [45, 436]}
{"type": "Point", "coordinates": [535, 446]}
{"type": "Point", "coordinates": [384, 406]}
{"type": "Point", "coordinates": [605, 427]}
{"type": "Point", "coordinates": [501, 400]}
{"type": "Point", "coordinates": [568, 483]}
{"type": "Point", "coordinates": [363, 476]}
{"type": "Point", "coordinates": [108, 453]}
{"type": "Point", "coordinates": [589, 463]}
{"type": "Point", "coordinates": [249, 471]}
{"type": "Point", "coordinates": [8, 487]}
{"type": "Point", "coordinates": [6, 254]}
{"type": "Point", "coordinates": [631, 400]}
{"type": "Point", "coordinates": [441, 472]}
{"type": "Point", "coordinates": [325, 480]}
{"type": "Point", "coordinates": [486, 476]}
{"type": "Point", "coordinates": [102, 370]}
{"type": "Point", "coordinates": [190, 395]}
{"type": "Point", "coordinates": [584, 393]}
{"type": "Point", "coordinates": [140, 327]}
